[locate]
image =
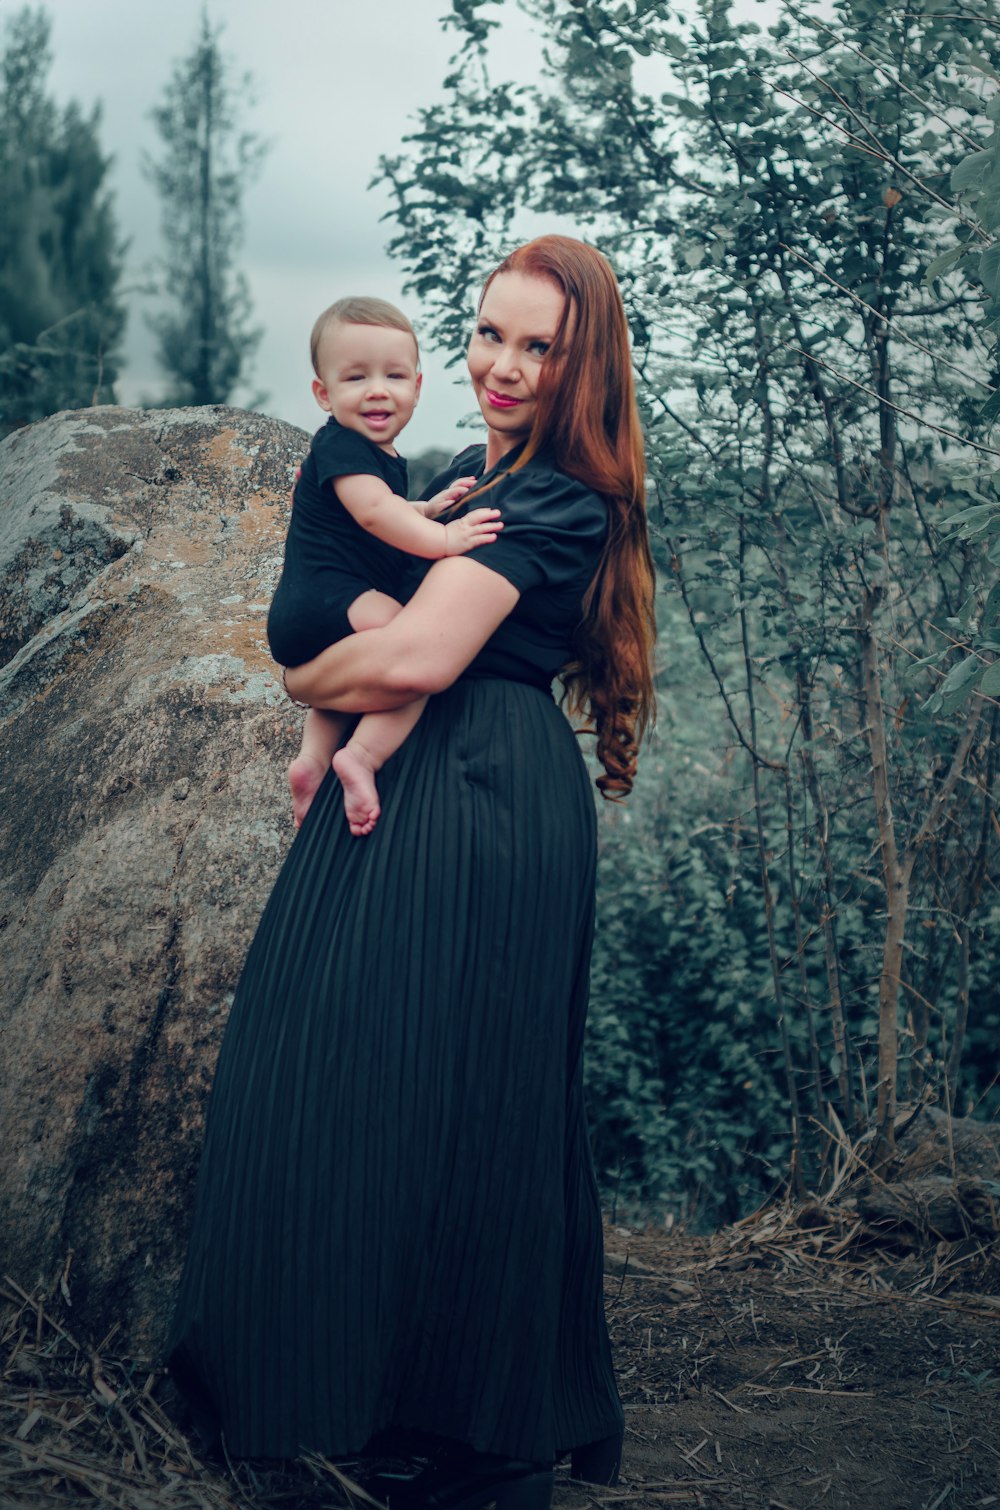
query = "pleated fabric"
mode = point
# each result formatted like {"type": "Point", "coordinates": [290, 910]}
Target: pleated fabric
{"type": "Point", "coordinates": [396, 1222]}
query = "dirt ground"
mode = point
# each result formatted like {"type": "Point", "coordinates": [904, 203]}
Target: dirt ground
{"type": "Point", "coordinates": [775, 1365]}
{"type": "Point", "coordinates": [790, 1379]}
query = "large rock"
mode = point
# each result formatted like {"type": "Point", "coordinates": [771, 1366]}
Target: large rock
{"type": "Point", "coordinates": [144, 737]}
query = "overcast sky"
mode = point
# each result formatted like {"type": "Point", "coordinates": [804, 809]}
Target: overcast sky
{"type": "Point", "coordinates": [336, 83]}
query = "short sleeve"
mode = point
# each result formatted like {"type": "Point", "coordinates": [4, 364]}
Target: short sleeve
{"type": "Point", "coordinates": [553, 528]}
{"type": "Point", "coordinates": [344, 453]}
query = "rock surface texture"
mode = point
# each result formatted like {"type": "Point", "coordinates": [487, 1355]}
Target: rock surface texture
{"type": "Point", "coordinates": [144, 737]}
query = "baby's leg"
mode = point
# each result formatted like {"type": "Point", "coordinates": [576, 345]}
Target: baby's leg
{"type": "Point", "coordinates": [321, 734]}
{"type": "Point", "coordinates": [377, 736]}
{"type": "Point", "coordinates": [372, 610]}
{"type": "Point", "coordinates": [324, 730]}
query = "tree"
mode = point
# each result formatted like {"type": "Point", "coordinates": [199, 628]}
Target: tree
{"type": "Point", "coordinates": [773, 203]}
{"type": "Point", "coordinates": [976, 183]}
{"type": "Point", "coordinates": [61, 320]}
{"type": "Point", "coordinates": [206, 344]}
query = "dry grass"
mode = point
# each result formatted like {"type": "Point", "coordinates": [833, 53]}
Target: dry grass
{"type": "Point", "coordinates": [79, 1426]}
{"type": "Point", "coordinates": [746, 1359]}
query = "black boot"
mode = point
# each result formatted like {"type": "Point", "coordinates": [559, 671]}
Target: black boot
{"type": "Point", "coordinates": [480, 1479]}
{"type": "Point", "coordinates": [598, 1462]}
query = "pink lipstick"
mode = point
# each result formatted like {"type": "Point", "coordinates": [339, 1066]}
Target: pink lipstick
{"type": "Point", "coordinates": [502, 400]}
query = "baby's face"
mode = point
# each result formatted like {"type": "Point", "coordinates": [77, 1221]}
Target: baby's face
{"type": "Point", "coordinates": [368, 379]}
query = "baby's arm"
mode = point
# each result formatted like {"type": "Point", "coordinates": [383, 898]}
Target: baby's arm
{"type": "Point", "coordinates": [373, 505]}
{"type": "Point", "coordinates": [432, 507]}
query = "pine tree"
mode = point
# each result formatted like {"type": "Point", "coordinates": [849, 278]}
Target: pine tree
{"type": "Point", "coordinates": [61, 320]}
{"type": "Point", "coordinates": [205, 341]}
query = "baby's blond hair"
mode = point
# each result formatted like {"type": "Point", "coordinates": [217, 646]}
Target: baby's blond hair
{"type": "Point", "coordinates": [359, 311]}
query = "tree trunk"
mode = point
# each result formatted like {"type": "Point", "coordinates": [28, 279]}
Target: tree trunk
{"type": "Point", "coordinates": [204, 393]}
{"type": "Point", "coordinates": [936, 1206]}
{"type": "Point", "coordinates": [895, 879]}
{"type": "Point", "coordinates": [795, 1159]}
{"type": "Point", "coordinates": [920, 1023]}
{"type": "Point", "coordinates": [838, 1024]}
{"type": "Point", "coordinates": [800, 955]}
{"type": "Point", "coordinates": [954, 1062]}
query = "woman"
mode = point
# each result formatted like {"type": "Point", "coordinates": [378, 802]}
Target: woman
{"type": "Point", "coordinates": [397, 1225]}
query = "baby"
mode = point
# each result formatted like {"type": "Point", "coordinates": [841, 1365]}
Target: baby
{"type": "Point", "coordinates": [350, 517]}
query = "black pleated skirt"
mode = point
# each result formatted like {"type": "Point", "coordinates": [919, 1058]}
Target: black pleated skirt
{"type": "Point", "coordinates": [396, 1222]}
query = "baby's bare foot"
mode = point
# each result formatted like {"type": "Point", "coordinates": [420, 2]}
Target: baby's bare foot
{"type": "Point", "coordinates": [305, 776]}
{"type": "Point", "coordinates": [361, 802]}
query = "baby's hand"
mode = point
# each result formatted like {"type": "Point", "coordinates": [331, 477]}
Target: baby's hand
{"type": "Point", "coordinates": [480, 527]}
{"type": "Point", "coordinates": [458, 489]}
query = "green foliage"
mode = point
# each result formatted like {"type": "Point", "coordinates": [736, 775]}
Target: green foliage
{"type": "Point", "coordinates": [206, 344]}
{"type": "Point", "coordinates": [687, 1113]}
{"type": "Point", "coordinates": [687, 1095]}
{"type": "Point", "coordinates": [61, 320]}
{"type": "Point", "coordinates": [976, 183]}
{"type": "Point", "coordinates": [810, 364]}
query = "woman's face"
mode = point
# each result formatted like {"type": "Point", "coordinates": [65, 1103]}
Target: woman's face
{"type": "Point", "coordinates": [517, 323]}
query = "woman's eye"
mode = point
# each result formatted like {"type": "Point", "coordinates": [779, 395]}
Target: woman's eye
{"type": "Point", "coordinates": [488, 333]}
{"type": "Point", "coordinates": [538, 348]}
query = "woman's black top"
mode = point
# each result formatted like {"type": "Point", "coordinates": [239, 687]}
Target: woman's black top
{"type": "Point", "coordinates": [549, 549]}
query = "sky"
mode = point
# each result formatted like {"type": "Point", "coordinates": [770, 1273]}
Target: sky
{"type": "Point", "coordinates": [336, 83]}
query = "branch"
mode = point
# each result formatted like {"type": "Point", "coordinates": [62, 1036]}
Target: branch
{"type": "Point", "coordinates": [889, 157]}
{"type": "Point", "coordinates": [938, 15]}
{"type": "Point", "coordinates": [765, 877]}
{"type": "Point", "coordinates": [881, 156]}
{"type": "Point", "coordinates": [910, 340]}
{"type": "Point", "coordinates": [755, 756]}
{"type": "Point", "coordinates": [819, 114]}
{"type": "Point", "coordinates": [944, 792]}
{"type": "Point", "coordinates": [819, 391]}
{"type": "Point", "coordinates": [883, 150]}
{"type": "Point", "coordinates": [683, 424]}
{"type": "Point", "coordinates": [928, 105]}
{"type": "Point", "coordinates": [909, 414]}
{"type": "Point", "coordinates": [925, 310]}
{"type": "Point", "coordinates": [639, 128]}
{"type": "Point", "coordinates": [929, 540]}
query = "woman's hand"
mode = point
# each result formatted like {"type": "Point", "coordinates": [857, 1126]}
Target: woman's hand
{"type": "Point", "coordinates": [424, 649]}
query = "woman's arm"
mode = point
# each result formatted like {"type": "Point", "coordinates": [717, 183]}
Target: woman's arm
{"type": "Point", "coordinates": [424, 649]}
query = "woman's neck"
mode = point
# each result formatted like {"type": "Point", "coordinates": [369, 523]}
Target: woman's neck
{"type": "Point", "coordinates": [499, 446]}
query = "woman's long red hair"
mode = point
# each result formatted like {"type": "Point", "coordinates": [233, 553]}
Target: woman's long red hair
{"type": "Point", "coordinates": [586, 418]}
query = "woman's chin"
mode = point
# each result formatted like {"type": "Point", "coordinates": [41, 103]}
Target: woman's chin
{"type": "Point", "coordinates": [506, 424]}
